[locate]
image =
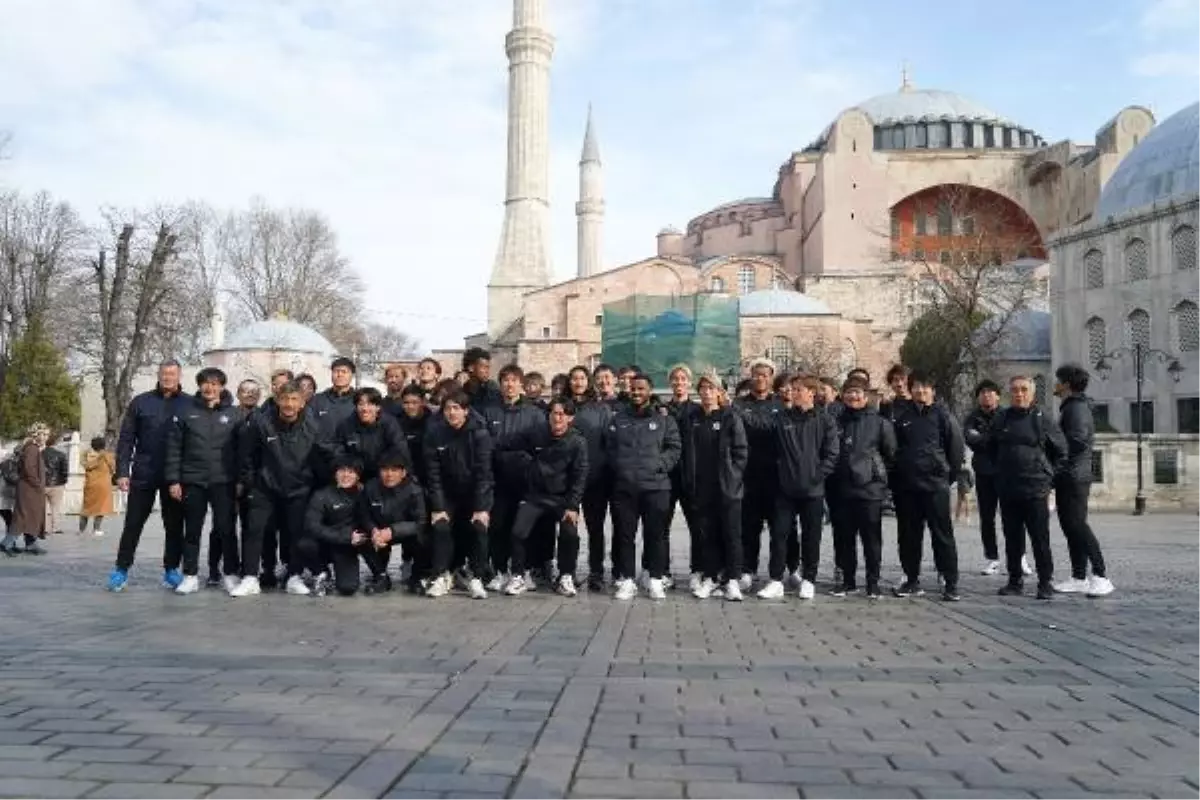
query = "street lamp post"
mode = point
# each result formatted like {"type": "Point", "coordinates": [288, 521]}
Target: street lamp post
{"type": "Point", "coordinates": [1140, 353]}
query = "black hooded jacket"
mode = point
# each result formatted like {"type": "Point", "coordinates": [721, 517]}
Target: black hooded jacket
{"type": "Point", "coordinates": [202, 443]}
{"type": "Point", "coordinates": [365, 442]}
{"type": "Point", "coordinates": [759, 418]}
{"type": "Point", "coordinates": [1079, 429]}
{"type": "Point", "coordinates": [400, 508]}
{"type": "Point", "coordinates": [458, 465]}
{"type": "Point", "coordinates": [329, 409]}
{"type": "Point", "coordinates": [642, 448]}
{"type": "Point", "coordinates": [592, 418]}
{"type": "Point", "coordinates": [866, 454]}
{"type": "Point", "coordinates": [277, 457]}
{"type": "Point", "coordinates": [977, 431]}
{"type": "Point", "coordinates": [1029, 450]}
{"type": "Point", "coordinates": [554, 469]}
{"type": "Point", "coordinates": [413, 429]}
{"type": "Point", "coordinates": [731, 447]}
{"type": "Point", "coordinates": [507, 422]}
{"type": "Point", "coordinates": [929, 448]}
{"type": "Point", "coordinates": [332, 515]}
{"type": "Point", "coordinates": [806, 447]}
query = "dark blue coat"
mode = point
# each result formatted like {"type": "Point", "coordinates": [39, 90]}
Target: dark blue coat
{"type": "Point", "coordinates": [142, 445]}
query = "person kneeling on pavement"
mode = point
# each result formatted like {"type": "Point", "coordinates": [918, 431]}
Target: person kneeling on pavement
{"type": "Point", "coordinates": [556, 473]}
{"type": "Point", "coordinates": [332, 534]}
{"type": "Point", "coordinates": [392, 511]}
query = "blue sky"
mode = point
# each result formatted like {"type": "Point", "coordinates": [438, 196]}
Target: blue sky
{"type": "Point", "coordinates": [389, 116]}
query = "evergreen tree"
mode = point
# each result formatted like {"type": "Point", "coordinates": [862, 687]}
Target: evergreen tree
{"type": "Point", "coordinates": [37, 387]}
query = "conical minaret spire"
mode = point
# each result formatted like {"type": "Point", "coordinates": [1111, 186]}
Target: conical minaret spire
{"type": "Point", "coordinates": [523, 257]}
{"type": "Point", "coordinates": [589, 211]}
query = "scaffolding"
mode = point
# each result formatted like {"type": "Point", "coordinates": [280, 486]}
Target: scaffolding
{"type": "Point", "coordinates": [657, 332]}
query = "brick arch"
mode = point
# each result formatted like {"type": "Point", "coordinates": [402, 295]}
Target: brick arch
{"type": "Point", "coordinates": [996, 223]}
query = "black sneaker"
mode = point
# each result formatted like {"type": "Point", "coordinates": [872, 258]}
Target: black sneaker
{"type": "Point", "coordinates": [844, 589]}
{"type": "Point", "coordinates": [1045, 591]}
{"type": "Point", "coordinates": [378, 585]}
{"type": "Point", "coordinates": [909, 589]}
{"type": "Point", "coordinates": [267, 581]}
{"type": "Point", "coordinates": [1011, 589]}
{"type": "Point", "coordinates": [595, 583]}
{"type": "Point", "coordinates": [214, 580]}
{"type": "Point", "coordinates": [873, 592]}
{"type": "Point", "coordinates": [950, 594]}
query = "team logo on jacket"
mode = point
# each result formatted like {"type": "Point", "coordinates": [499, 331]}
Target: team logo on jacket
{"type": "Point", "coordinates": [224, 420]}
{"type": "Point", "coordinates": [653, 426]}
{"type": "Point", "coordinates": [716, 426]}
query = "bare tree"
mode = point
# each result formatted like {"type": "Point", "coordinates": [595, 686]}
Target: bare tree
{"type": "Point", "coordinates": [286, 262]}
{"type": "Point", "coordinates": [376, 345]}
{"type": "Point", "coordinates": [41, 243]}
{"type": "Point", "coordinates": [818, 356]}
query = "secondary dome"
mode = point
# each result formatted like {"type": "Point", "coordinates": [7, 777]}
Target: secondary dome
{"type": "Point", "coordinates": [1166, 164]}
{"type": "Point", "coordinates": [278, 334]}
{"type": "Point", "coordinates": [781, 303]}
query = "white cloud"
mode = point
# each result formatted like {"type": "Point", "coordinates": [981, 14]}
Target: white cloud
{"type": "Point", "coordinates": [1166, 65]}
{"type": "Point", "coordinates": [1169, 16]}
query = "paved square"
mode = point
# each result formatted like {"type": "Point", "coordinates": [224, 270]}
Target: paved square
{"type": "Point", "coordinates": [147, 694]}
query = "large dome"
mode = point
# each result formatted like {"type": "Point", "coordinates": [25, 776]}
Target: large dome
{"type": "Point", "coordinates": [278, 334]}
{"type": "Point", "coordinates": [926, 105]}
{"type": "Point", "coordinates": [1165, 165]}
{"type": "Point", "coordinates": [781, 302]}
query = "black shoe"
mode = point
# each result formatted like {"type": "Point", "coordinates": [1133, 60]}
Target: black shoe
{"type": "Point", "coordinates": [214, 580]}
{"type": "Point", "coordinates": [950, 594]}
{"type": "Point", "coordinates": [1011, 589]}
{"type": "Point", "coordinates": [34, 549]}
{"type": "Point", "coordinates": [844, 589]}
{"type": "Point", "coordinates": [873, 592]}
{"type": "Point", "coordinates": [1045, 591]}
{"type": "Point", "coordinates": [595, 583]}
{"type": "Point", "coordinates": [909, 589]}
{"type": "Point", "coordinates": [268, 582]}
{"type": "Point", "coordinates": [378, 585]}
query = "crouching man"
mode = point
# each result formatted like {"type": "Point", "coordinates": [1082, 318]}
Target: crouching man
{"type": "Point", "coordinates": [556, 475]}
{"type": "Point", "coordinates": [331, 529]}
{"type": "Point", "coordinates": [392, 511]}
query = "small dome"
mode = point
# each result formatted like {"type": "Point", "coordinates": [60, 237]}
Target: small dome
{"type": "Point", "coordinates": [781, 303]}
{"type": "Point", "coordinates": [1165, 165]}
{"type": "Point", "coordinates": [278, 334]}
{"type": "Point", "coordinates": [670, 230]}
{"type": "Point", "coordinates": [1026, 338]}
{"type": "Point", "coordinates": [913, 105]}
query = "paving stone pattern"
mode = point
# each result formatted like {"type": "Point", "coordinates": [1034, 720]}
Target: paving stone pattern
{"type": "Point", "coordinates": [147, 694]}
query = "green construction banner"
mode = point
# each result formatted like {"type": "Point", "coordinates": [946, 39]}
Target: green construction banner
{"type": "Point", "coordinates": [657, 332]}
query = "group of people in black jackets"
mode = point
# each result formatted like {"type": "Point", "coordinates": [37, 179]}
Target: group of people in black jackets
{"type": "Point", "coordinates": [482, 485]}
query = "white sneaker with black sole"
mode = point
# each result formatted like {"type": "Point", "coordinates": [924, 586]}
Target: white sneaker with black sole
{"type": "Point", "coordinates": [626, 589]}
{"type": "Point", "coordinates": [772, 591]}
{"type": "Point", "coordinates": [247, 587]}
{"type": "Point", "coordinates": [1099, 587]}
{"type": "Point", "coordinates": [189, 585]}
{"type": "Point", "coordinates": [296, 585]}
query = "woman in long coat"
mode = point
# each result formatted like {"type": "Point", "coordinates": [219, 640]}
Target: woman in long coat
{"type": "Point", "coordinates": [29, 516]}
{"type": "Point", "coordinates": [99, 466]}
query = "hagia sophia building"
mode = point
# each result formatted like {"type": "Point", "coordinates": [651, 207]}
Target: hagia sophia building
{"type": "Point", "coordinates": [828, 251]}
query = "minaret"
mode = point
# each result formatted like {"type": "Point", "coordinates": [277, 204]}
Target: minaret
{"type": "Point", "coordinates": [523, 259]}
{"type": "Point", "coordinates": [589, 211]}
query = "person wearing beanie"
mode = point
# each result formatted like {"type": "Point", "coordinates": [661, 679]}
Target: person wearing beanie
{"type": "Point", "coordinates": [712, 473]}
{"type": "Point", "coordinates": [332, 533]}
{"type": "Point", "coordinates": [391, 511]}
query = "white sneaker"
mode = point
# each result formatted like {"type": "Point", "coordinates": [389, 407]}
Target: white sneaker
{"type": "Point", "coordinates": [656, 589]}
{"type": "Point", "coordinates": [807, 590]}
{"type": "Point", "coordinates": [97, 533]}
{"type": "Point", "coordinates": [668, 581]}
{"type": "Point", "coordinates": [1071, 586]}
{"type": "Point", "coordinates": [772, 591]}
{"type": "Point", "coordinates": [566, 586]}
{"type": "Point", "coordinates": [746, 581]}
{"type": "Point", "coordinates": [515, 587]}
{"type": "Point", "coordinates": [500, 582]}
{"type": "Point", "coordinates": [246, 587]}
{"type": "Point", "coordinates": [232, 582]}
{"type": "Point", "coordinates": [792, 580]}
{"type": "Point", "coordinates": [626, 589]}
{"type": "Point", "coordinates": [733, 592]}
{"type": "Point", "coordinates": [189, 585]}
{"type": "Point", "coordinates": [476, 590]}
{"type": "Point", "coordinates": [703, 589]}
{"type": "Point", "coordinates": [695, 581]}
{"type": "Point", "coordinates": [439, 586]}
{"type": "Point", "coordinates": [297, 586]}
{"type": "Point", "coordinates": [405, 572]}
{"type": "Point", "coordinates": [1025, 568]}
{"type": "Point", "coordinates": [990, 568]}
{"type": "Point", "coordinates": [1099, 587]}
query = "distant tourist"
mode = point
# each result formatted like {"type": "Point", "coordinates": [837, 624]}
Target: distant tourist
{"type": "Point", "coordinates": [57, 473]}
{"type": "Point", "coordinates": [99, 475]}
{"type": "Point", "coordinates": [29, 515]}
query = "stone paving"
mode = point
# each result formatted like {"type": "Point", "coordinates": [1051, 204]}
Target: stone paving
{"type": "Point", "coordinates": [147, 694]}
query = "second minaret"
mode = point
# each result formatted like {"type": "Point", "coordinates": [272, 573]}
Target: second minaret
{"type": "Point", "coordinates": [589, 211]}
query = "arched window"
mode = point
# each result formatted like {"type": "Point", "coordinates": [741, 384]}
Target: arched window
{"type": "Point", "coordinates": [1139, 328]}
{"type": "Point", "coordinates": [781, 353]}
{"type": "Point", "coordinates": [1183, 246]}
{"type": "Point", "coordinates": [1185, 327]}
{"type": "Point", "coordinates": [1097, 340]}
{"type": "Point", "coordinates": [716, 285]}
{"type": "Point", "coordinates": [1137, 261]}
{"type": "Point", "coordinates": [745, 279]}
{"type": "Point", "coordinates": [1093, 265]}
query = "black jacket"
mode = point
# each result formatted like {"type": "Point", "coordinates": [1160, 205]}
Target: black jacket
{"type": "Point", "coordinates": [142, 445]}
{"type": "Point", "coordinates": [329, 409]}
{"type": "Point", "coordinates": [278, 458]}
{"type": "Point", "coordinates": [678, 410]}
{"type": "Point", "coordinates": [554, 470]}
{"type": "Point", "coordinates": [806, 450]}
{"type": "Point", "coordinates": [507, 422]}
{"type": "Point", "coordinates": [458, 465]}
{"type": "Point", "coordinates": [1029, 450]}
{"type": "Point", "coordinates": [977, 431]}
{"type": "Point", "coordinates": [401, 508]}
{"type": "Point", "coordinates": [1079, 430]}
{"type": "Point", "coordinates": [733, 451]}
{"type": "Point", "coordinates": [866, 453]}
{"type": "Point", "coordinates": [592, 418]}
{"type": "Point", "coordinates": [365, 442]}
{"type": "Point", "coordinates": [57, 471]}
{"type": "Point", "coordinates": [413, 429]}
{"type": "Point", "coordinates": [202, 445]}
{"type": "Point", "coordinates": [483, 395]}
{"type": "Point", "coordinates": [759, 418]}
{"type": "Point", "coordinates": [929, 448]}
{"type": "Point", "coordinates": [642, 447]}
{"type": "Point", "coordinates": [332, 515]}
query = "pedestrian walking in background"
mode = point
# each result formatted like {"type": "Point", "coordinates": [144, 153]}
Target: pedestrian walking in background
{"type": "Point", "coordinates": [29, 515]}
{"type": "Point", "coordinates": [57, 473]}
{"type": "Point", "coordinates": [99, 474]}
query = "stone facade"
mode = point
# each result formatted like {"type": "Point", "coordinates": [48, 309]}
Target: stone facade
{"type": "Point", "coordinates": [1170, 472]}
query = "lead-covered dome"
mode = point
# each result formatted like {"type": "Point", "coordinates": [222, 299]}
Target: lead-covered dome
{"type": "Point", "coordinates": [278, 334]}
{"type": "Point", "coordinates": [915, 105]}
{"type": "Point", "coordinates": [1165, 165]}
{"type": "Point", "coordinates": [781, 302]}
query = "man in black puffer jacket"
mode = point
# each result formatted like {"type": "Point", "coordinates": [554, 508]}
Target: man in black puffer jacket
{"type": "Point", "coordinates": [334, 405]}
{"type": "Point", "coordinates": [929, 451]}
{"type": "Point", "coordinates": [859, 485]}
{"type": "Point", "coordinates": [332, 531]}
{"type": "Point", "coordinates": [1029, 450]}
{"type": "Point", "coordinates": [553, 461]}
{"type": "Point", "coordinates": [366, 434]}
{"type": "Point", "coordinates": [977, 430]}
{"type": "Point", "coordinates": [758, 410]}
{"type": "Point", "coordinates": [642, 449]}
{"type": "Point", "coordinates": [201, 470]}
{"type": "Point", "coordinates": [392, 511]}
